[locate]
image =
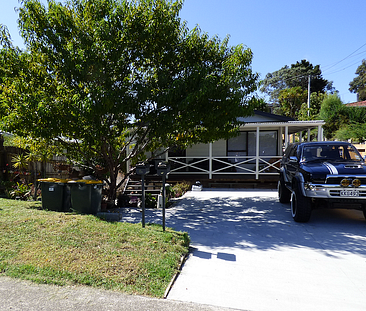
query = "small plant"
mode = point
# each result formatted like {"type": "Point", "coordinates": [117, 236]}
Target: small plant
{"type": "Point", "coordinates": [20, 191]}
{"type": "Point", "coordinates": [6, 187]}
{"type": "Point", "coordinates": [150, 201]}
{"type": "Point", "coordinates": [179, 189]}
{"type": "Point", "coordinates": [20, 162]}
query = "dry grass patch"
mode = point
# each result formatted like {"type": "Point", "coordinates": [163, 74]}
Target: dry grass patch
{"type": "Point", "coordinates": [59, 248]}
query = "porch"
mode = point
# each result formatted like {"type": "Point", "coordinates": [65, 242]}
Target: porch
{"type": "Point", "coordinates": [216, 161]}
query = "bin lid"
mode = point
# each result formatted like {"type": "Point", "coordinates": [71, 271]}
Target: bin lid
{"type": "Point", "coordinates": [53, 180]}
{"type": "Point", "coordinates": [86, 181]}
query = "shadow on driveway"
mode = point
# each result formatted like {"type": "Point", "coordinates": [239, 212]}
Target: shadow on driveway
{"type": "Point", "coordinates": [256, 220]}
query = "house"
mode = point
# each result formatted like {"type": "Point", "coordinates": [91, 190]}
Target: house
{"type": "Point", "coordinates": [357, 104]}
{"type": "Point", "coordinates": [254, 155]}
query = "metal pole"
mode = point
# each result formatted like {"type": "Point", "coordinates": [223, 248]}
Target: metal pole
{"type": "Point", "coordinates": [309, 97]}
{"type": "Point", "coordinates": [163, 202]}
{"type": "Point", "coordinates": [143, 199]}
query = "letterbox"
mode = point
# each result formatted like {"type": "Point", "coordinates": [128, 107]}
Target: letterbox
{"type": "Point", "coordinates": [163, 168]}
{"type": "Point", "coordinates": [142, 168]}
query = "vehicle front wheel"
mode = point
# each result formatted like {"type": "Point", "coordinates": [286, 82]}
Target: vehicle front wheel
{"type": "Point", "coordinates": [364, 212]}
{"type": "Point", "coordinates": [300, 206]}
{"type": "Point", "coordinates": [284, 195]}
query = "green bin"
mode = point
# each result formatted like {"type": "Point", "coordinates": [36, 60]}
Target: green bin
{"type": "Point", "coordinates": [86, 196]}
{"type": "Point", "coordinates": [55, 194]}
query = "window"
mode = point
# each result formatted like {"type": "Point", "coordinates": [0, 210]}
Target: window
{"type": "Point", "coordinates": [245, 144]}
{"type": "Point", "coordinates": [237, 146]}
{"type": "Point", "coordinates": [267, 143]}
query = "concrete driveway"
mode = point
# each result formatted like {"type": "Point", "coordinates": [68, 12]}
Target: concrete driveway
{"type": "Point", "coordinates": [248, 253]}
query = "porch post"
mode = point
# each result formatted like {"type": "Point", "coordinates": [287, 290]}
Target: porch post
{"type": "Point", "coordinates": [286, 136]}
{"type": "Point", "coordinates": [308, 134]}
{"type": "Point", "coordinates": [280, 141]}
{"type": "Point", "coordinates": [320, 133]}
{"type": "Point", "coordinates": [257, 155]}
{"type": "Point", "coordinates": [128, 162]}
{"type": "Point", "coordinates": [210, 160]}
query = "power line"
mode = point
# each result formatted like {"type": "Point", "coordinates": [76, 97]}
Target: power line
{"type": "Point", "coordinates": [330, 73]}
{"type": "Point", "coordinates": [331, 66]}
{"type": "Point", "coordinates": [345, 57]}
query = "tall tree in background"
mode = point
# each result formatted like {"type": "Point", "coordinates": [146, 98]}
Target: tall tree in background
{"type": "Point", "coordinates": [108, 80]}
{"type": "Point", "coordinates": [289, 80]}
{"type": "Point", "coordinates": [290, 100]}
{"type": "Point", "coordinates": [358, 84]}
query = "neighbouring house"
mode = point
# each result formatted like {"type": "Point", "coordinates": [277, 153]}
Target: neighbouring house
{"type": "Point", "coordinates": [253, 156]}
{"type": "Point", "coordinates": [357, 104]}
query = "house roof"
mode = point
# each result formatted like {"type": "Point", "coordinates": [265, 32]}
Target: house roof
{"type": "Point", "coordinates": [269, 121]}
{"type": "Point", "coordinates": [292, 126]}
{"type": "Point", "coordinates": [273, 116]}
{"type": "Point", "coordinates": [357, 104]}
{"type": "Point", "coordinates": [260, 116]}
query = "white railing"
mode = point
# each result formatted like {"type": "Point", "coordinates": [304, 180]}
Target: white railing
{"type": "Point", "coordinates": [229, 165]}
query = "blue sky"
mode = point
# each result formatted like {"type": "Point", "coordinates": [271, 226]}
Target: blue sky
{"type": "Point", "coordinates": [329, 33]}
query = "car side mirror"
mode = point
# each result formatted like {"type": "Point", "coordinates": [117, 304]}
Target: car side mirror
{"type": "Point", "coordinates": [293, 159]}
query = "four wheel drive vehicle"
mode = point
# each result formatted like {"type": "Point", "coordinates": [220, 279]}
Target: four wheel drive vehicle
{"type": "Point", "coordinates": [322, 175]}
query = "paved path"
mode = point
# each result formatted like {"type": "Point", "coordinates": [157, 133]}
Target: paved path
{"type": "Point", "coordinates": [249, 254]}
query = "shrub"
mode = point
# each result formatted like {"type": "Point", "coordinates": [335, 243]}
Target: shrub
{"type": "Point", "coordinates": [179, 189]}
{"type": "Point", "coordinates": [20, 191]}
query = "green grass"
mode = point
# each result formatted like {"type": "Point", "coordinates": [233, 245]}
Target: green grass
{"type": "Point", "coordinates": [65, 249]}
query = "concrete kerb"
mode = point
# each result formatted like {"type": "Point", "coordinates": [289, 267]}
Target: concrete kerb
{"type": "Point", "coordinates": [21, 295]}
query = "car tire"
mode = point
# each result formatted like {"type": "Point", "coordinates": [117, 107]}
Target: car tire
{"type": "Point", "coordinates": [284, 195]}
{"type": "Point", "coordinates": [300, 205]}
{"type": "Point", "coordinates": [364, 212]}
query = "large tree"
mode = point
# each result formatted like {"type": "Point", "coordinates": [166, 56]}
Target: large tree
{"type": "Point", "coordinates": [290, 79]}
{"type": "Point", "coordinates": [358, 84]}
{"type": "Point", "coordinates": [111, 79]}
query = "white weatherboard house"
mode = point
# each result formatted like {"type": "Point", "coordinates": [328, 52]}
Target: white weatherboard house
{"type": "Point", "coordinates": [254, 154]}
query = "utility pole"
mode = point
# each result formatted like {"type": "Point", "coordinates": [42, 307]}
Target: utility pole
{"type": "Point", "coordinates": [309, 105]}
{"type": "Point", "coordinates": [309, 96]}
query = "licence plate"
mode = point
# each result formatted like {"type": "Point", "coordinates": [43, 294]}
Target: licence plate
{"type": "Point", "coordinates": [349, 193]}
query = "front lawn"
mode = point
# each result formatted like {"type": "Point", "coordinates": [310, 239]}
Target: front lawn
{"type": "Point", "coordinates": [65, 249]}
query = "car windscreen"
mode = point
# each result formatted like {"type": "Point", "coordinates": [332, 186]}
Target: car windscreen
{"type": "Point", "coordinates": [329, 152]}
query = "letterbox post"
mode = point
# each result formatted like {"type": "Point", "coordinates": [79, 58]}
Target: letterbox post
{"type": "Point", "coordinates": [163, 170]}
{"type": "Point", "coordinates": [143, 169]}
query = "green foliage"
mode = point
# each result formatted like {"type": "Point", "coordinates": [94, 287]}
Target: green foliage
{"type": "Point", "coordinates": [358, 84]}
{"type": "Point", "coordinates": [109, 80]}
{"type": "Point", "coordinates": [290, 101]}
{"type": "Point", "coordinates": [38, 149]}
{"type": "Point", "coordinates": [354, 131]}
{"type": "Point", "coordinates": [21, 191]}
{"type": "Point", "coordinates": [342, 122]}
{"type": "Point", "coordinates": [333, 112]}
{"type": "Point", "coordinates": [355, 126]}
{"type": "Point", "coordinates": [295, 76]}
{"type": "Point", "coordinates": [150, 201]}
{"type": "Point", "coordinates": [20, 161]}
{"type": "Point", "coordinates": [16, 190]}
{"type": "Point", "coordinates": [316, 100]}
{"type": "Point", "coordinates": [178, 189]}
